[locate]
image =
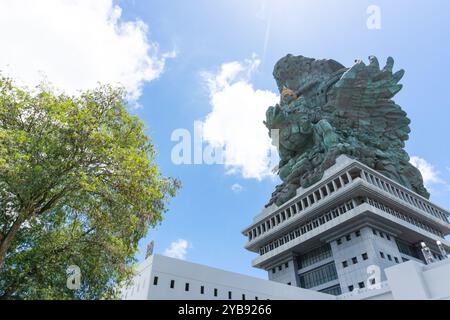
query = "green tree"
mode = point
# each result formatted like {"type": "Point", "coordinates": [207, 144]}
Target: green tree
{"type": "Point", "coordinates": [78, 186]}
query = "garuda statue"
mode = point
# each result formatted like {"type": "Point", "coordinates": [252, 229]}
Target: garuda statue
{"type": "Point", "coordinates": [326, 110]}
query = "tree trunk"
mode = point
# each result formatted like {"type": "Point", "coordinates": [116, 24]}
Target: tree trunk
{"type": "Point", "coordinates": [8, 292]}
{"type": "Point", "coordinates": [6, 242]}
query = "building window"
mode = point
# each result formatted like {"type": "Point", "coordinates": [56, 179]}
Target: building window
{"type": "Point", "coordinates": [389, 257]}
{"type": "Point", "coordinates": [202, 290]}
{"type": "Point", "coordinates": [372, 281]}
{"type": "Point", "coordinates": [172, 284]}
{"type": "Point", "coordinates": [396, 259]}
{"type": "Point", "coordinates": [305, 203]}
{"type": "Point", "coordinates": [215, 292]}
{"type": "Point", "coordinates": [229, 295]}
{"type": "Point", "coordinates": [274, 270]}
{"type": "Point", "coordinates": [155, 281]}
{"type": "Point", "coordinates": [361, 285]}
{"type": "Point", "coordinates": [358, 233]}
{"type": "Point", "coordinates": [388, 237]}
{"type": "Point", "coordinates": [344, 264]}
{"type": "Point", "coordinates": [364, 256]}
{"type": "Point", "coordinates": [286, 265]}
{"type": "Point", "coordinates": [348, 237]}
{"type": "Point", "coordinates": [350, 288]}
{"type": "Point", "coordinates": [279, 268]}
{"type": "Point", "coordinates": [314, 256]}
{"type": "Point", "coordinates": [381, 234]}
{"type": "Point", "coordinates": [335, 290]}
{"type": "Point", "coordinates": [407, 249]}
{"type": "Point", "coordinates": [382, 254]}
{"type": "Point", "coordinates": [330, 187]}
{"type": "Point", "coordinates": [339, 241]}
{"type": "Point", "coordinates": [318, 276]}
{"type": "Point", "coordinates": [374, 231]}
{"type": "Point", "coordinates": [186, 287]}
{"type": "Point", "coordinates": [354, 260]}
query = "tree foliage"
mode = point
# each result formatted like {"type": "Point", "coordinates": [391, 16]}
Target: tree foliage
{"type": "Point", "coordinates": [78, 186]}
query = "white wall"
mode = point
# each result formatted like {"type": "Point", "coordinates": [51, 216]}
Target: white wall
{"type": "Point", "coordinates": [139, 288]}
{"type": "Point", "coordinates": [412, 280]}
{"type": "Point", "coordinates": [408, 280]}
{"type": "Point", "coordinates": [285, 275]}
{"type": "Point", "coordinates": [182, 272]}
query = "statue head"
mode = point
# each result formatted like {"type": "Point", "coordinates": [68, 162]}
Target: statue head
{"type": "Point", "coordinates": [299, 73]}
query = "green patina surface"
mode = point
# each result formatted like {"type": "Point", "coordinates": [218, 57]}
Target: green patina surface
{"type": "Point", "coordinates": [326, 110]}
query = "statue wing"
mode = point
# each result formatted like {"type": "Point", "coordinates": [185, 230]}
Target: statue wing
{"type": "Point", "coordinates": [361, 99]}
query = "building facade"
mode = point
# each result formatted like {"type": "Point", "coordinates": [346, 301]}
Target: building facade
{"type": "Point", "coordinates": [342, 233]}
{"type": "Point", "coordinates": [354, 235]}
{"type": "Point", "coordinates": [163, 278]}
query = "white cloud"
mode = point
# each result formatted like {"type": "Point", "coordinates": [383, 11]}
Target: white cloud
{"type": "Point", "coordinates": [236, 188]}
{"type": "Point", "coordinates": [76, 44]}
{"type": "Point", "coordinates": [236, 120]}
{"type": "Point", "coordinates": [177, 249]}
{"type": "Point", "coordinates": [429, 174]}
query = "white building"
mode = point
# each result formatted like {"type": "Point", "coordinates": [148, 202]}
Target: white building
{"type": "Point", "coordinates": [163, 278]}
{"type": "Point", "coordinates": [327, 236]}
{"type": "Point", "coordinates": [355, 234]}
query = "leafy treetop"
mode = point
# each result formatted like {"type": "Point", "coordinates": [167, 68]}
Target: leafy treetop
{"type": "Point", "coordinates": [78, 186]}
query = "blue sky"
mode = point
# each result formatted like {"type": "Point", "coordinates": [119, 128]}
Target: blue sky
{"type": "Point", "coordinates": [195, 41]}
{"type": "Point", "coordinates": [206, 34]}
